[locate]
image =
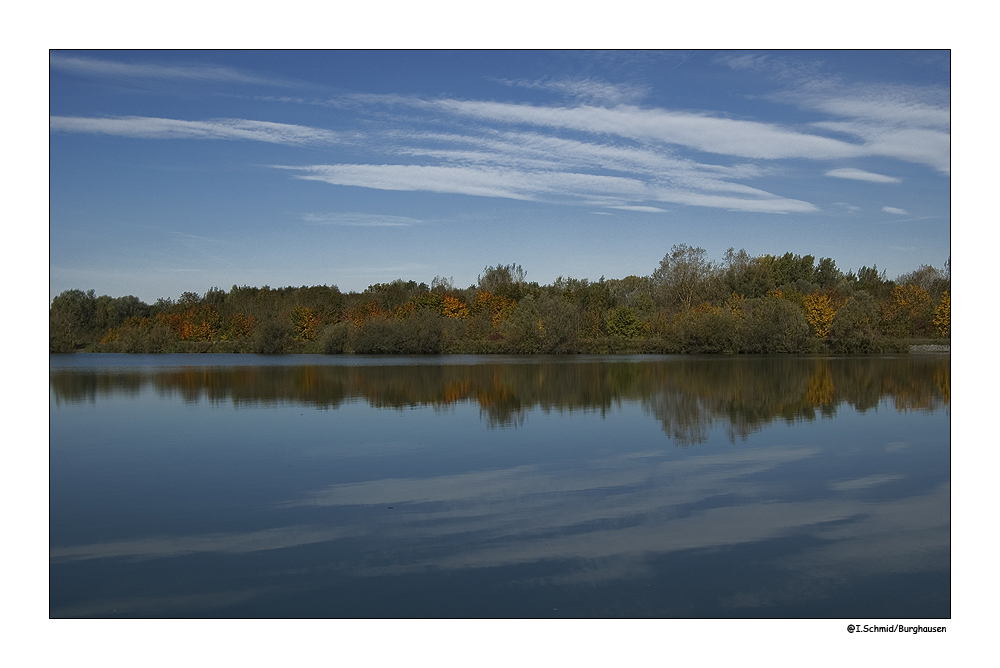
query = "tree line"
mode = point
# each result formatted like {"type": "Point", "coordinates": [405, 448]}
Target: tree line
{"type": "Point", "coordinates": [688, 304]}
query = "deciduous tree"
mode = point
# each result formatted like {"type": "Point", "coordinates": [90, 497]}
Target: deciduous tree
{"type": "Point", "coordinates": [819, 313]}
{"type": "Point", "coordinates": [942, 316]}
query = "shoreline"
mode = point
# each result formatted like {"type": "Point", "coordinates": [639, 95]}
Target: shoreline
{"type": "Point", "coordinates": [930, 348]}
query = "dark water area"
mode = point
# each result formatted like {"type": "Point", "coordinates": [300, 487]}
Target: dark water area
{"type": "Point", "coordinates": [526, 487]}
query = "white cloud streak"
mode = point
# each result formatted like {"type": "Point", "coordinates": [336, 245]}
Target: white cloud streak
{"type": "Point", "coordinates": [895, 210]}
{"type": "Point", "coordinates": [862, 175]}
{"type": "Point", "coordinates": [618, 155]}
{"type": "Point", "coordinates": [627, 156]}
{"type": "Point", "coordinates": [645, 209]}
{"type": "Point", "coordinates": [703, 132]}
{"type": "Point", "coordinates": [359, 220]}
{"type": "Point", "coordinates": [144, 127]}
{"type": "Point", "coordinates": [906, 123]}
{"type": "Point", "coordinates": [585, 89]}
{"type": "Point", "coordinates": [534, 186]}
{"type": "Point", "coordinates": [96, 67]}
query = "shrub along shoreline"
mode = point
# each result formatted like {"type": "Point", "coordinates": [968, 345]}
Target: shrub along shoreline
{"type": "Point", "coordinates": [743, 305]}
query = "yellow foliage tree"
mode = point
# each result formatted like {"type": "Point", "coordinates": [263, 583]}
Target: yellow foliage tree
{"type": "Point", "coordinates": [736, 303]}
{"type": "Point", "coordinates": [942, 315]}
{"type": "Point", "coordinates": [304, 323]}
{"type": "Point", "coordinates": [910, 297]}
{"type": "Point", "coordinates": [455, 307]}
{"type": "Point", "coordinates": [404, 310]}
{"type": "Point", "coordinates": [498, 306]}
{"type": "Point", "coordinates": [200, 323]}
{"type": "Point", "coordinates": [908, 312]}
{"type": "Point", "coordinates": [238, 326]}
{"type": "Point", "coordinates": [819, 313]}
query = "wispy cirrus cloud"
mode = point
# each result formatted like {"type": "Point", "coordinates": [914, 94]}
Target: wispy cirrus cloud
{"type": "Point", "coordinates": [632, 138]}
{"type": "Point", "coordinates": [700, 131]}
{"type": "Point", "coordinates": [645, 209]}
{"type": "Point", "coordinates": [485, 181]}
{"type": "Point", "coordinates": [600, 148]}
{"type": "Point", "coordinates": [146, 127]}
{"type": "Point", "coordinates": [917, 145]}
{"type": "Point", "coordinates": [532, 150]}
{"type": "Point", "coordinates": [97, 67]}
{"type": "Point", "coordinates": [895, 210]}
{"type": "Point", "coordinates": [862, 175]}
{"type": "Point", "coordinates": [912, 124]}
{"type": "Point", "coordinates": [896, 105]}
{"type": "Point", "coordinates": [538, 166]}
{"type": "Point", "coordinates": [360, 220]}
{"type": "Point", "coordinates": [587, 89]}
{"type": "Point", "coordinates": [780, 67]}
{"type": "Point", "coordinates": [905, 122]}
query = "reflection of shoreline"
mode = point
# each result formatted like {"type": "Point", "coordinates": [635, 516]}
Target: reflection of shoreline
{"type": "Point", "coordinates": [686, 395]}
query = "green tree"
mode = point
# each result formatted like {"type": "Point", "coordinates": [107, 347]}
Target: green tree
{"type": "Point", "coordinates": [337, 338]}
{"type": "Point", "coordinates": [684, 278]}
{"type": "Point", "coordinates": [934, 281]}
{"type": "Point", "coordinates": [391, 296]}
{"type": "Point", "coordinates": [419, 333]}
{"type": "Point", "coordinates": [853, 329]}
{"type": "Point", "coordinates": [70, 317]}
{"type": "Point", "coordinates": [773, 325]}
{"type": "Point", "coordinates": [272, 337]}
{"type": "Point", "coordinates": [543, 324]}
{"type": "Point", "coordinates": [623, 322]}
{"type": "Point", "coordinates": [504, 280]}
{"type": "Point", "coordinates": [872, 281]}
{"type": "Point", "coordinates": [747, 276]}
{"type": "Point", "coordinates": [790, 269]}
{"type": "Point", "coordinates": [826, 274]}
{"type": "Point", "coordinates": [706, 329]}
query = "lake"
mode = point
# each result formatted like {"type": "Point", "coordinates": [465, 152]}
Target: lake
{"type": "Point", "coordinates": [501, 487]}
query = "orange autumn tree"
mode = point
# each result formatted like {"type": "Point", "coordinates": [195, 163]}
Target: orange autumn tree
{"type": "Point", "coordinates": [361, 314]}
{"type": "Point", "coordinates": [199, 323]}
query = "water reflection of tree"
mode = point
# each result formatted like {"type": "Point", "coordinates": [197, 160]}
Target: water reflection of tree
{"type": "Point", "coordinates": [687, 395]}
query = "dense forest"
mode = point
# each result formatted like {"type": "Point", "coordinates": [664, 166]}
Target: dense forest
{"type": "Point", "coordinates": [688, 304]}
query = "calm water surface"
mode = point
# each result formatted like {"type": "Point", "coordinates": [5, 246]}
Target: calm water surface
{"type": "Point", "coordinates": [650, 486]}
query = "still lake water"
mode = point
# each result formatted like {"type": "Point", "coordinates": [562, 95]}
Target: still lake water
{"type": "Point", "coordinates": [645, 486]}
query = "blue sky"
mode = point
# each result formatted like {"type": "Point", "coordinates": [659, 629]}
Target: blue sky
{"type": "Point", "coordinates": [181, 170]}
